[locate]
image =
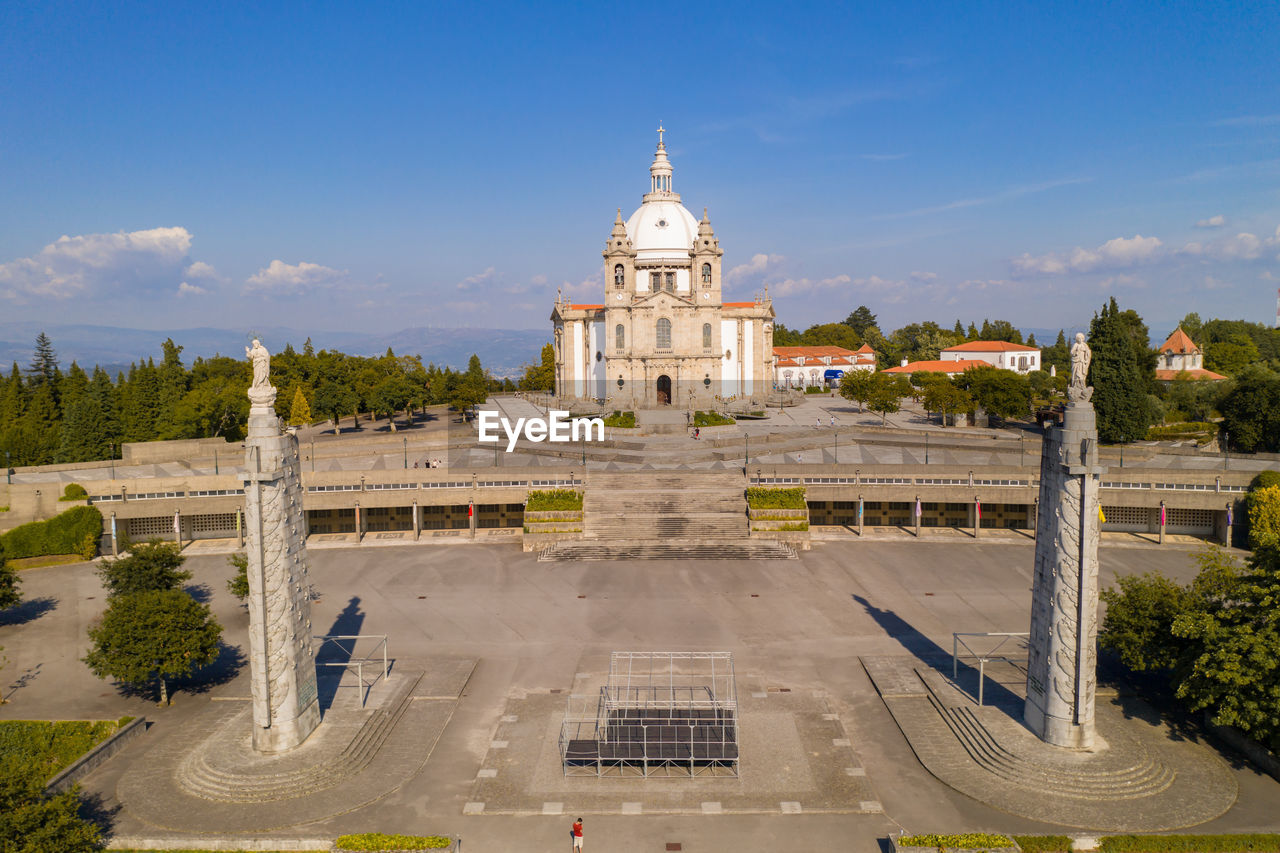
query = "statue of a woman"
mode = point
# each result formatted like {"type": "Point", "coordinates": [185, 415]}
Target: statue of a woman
{"type": "Point", "coordinates": [1081, 355]}
{"type": "Point", "coordinates": [261, 360]}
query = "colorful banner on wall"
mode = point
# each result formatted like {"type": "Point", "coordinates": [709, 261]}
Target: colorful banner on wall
{"type": "Point", "coordinates": [917, 507]}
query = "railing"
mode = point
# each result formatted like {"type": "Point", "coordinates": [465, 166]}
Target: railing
{"type": "Point", "coordinates": [982, 658]}
{"type": "Point", "coordinates": [339, 640]}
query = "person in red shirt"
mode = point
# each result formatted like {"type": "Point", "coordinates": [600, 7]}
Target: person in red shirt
{"type": "Point", "coordinates": [577, 834]}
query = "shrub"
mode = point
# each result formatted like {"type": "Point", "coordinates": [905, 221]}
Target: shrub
{"type": "Point", "coordinates": [49, 746]}
{"type": "Point", "coordinates": [710, 419]}
{"type": "Point", "coordinates": [73, 492]}
{"type": "Point", "coordinates": [967, 841]}
{"type": "Point", "coordinates": [816, 389]}
{"type": "Point", "coordinates": [625, 420]}
{"type": "Point", "coordinates": [553, 499]}
{"type": "Point", "coordinates": [75, 531]}
{"type": "Point", "coordinates": [768, 498]}
{"type": "Point", "coordinates": [379, 841]}
{"type": "Point", "coordinates": [1190, 843]}
{"type": "Point", "coordinates": [795, 525]}
{"type": "Point", "coordinates": [1203, 433]}
{"type": "Point", "coordinates": [1044, 843]}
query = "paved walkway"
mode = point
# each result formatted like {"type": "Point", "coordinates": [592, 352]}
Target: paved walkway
{"type": "Point", "coordinates": [535, 627]}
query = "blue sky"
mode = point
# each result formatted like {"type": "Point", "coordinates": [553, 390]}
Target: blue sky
{"type": "Point", "coordinates": [377, 166]}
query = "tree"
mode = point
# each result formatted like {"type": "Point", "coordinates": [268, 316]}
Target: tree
{"type": "Point", "coordinates": [472, 389]}
{"type": "Point", "coordinates": [33, 822]}
{"type": "Point", "coordinates": [335, 400]}
{"type": "Point", "coordinates": [943, 396]}
{"type": "Point", "coordinates": [1231, 356]}
{"type": "Point", "coordinates": [1000, 392]}
{"type": "Point", "coordinates": [44, 364]}
{"type": "Point", "coordinates": [887, 393]}
{"type": "Point", "coordinates": [1001, 330]}
{"type": "Point", "coordinates": [1191, 324]}
{"type": "Point", "coordinates": [1251, 412]}
{"type": "Point", "coordinates": [861, 320]}
{"type": "Point", "coordinates": [857, 384]}
{"type": "Point", "coordinates": [150, 566]}
{"type": "Point", "coordinates": [300, 411]}
{"type": "Point", "coordinates": [541, 376]}
{"type": "Point", "coordinates": [238, 584]}
{"type": "Point", "coordinates": [1264, 517]}
{"type": "Point", "coordinates": [1122, 374]}
{"type": "Point", "coordinates": [1138, 625]}
{"type": "Point", "coordinates": [10, 594]}
{"type": "Point", "coordinates": [152, 636]}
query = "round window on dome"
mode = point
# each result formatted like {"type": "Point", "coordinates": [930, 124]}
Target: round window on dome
{"type": "Point", "coordinates": [662, 223]}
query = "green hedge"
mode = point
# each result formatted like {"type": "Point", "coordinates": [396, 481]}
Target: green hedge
{"type": "Point", "coordinates": [75, 531]}
{"type": "Point", "coordinates": [553, 499]}
{"type": "Point", "coordinates": [73, 492]}
{"type": "Point", "coordinates": [379, 841]}
{"type": "Point", "coordinates": [1190, 843]}
{"type": "Point", "coordinates": [1044, 843]}
{"type": "Point", "coordinates": [625, 420]}
{"type": "Point", "coordinates": [816, 389]}
{"type": "Point", "coordinates": [765, 498]}
{"type": "Point", "coordinates": [967, 841]}
{"type": "Point", "coordinates": [710, 419]}
{"type": "Point", "coordinates": [51, 745]}
{"type": "Point", "coordinates": [1203, 433]}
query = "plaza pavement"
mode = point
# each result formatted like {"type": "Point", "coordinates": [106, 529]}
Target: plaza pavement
{"type": "Point", "coordinates": [534, 627]}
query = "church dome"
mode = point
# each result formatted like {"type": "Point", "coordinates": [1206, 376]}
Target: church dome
{"type": "Point", "coordinates": [661, 227]}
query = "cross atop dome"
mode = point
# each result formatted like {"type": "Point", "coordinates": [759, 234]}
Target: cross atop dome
{"type": "Point", "coordinates": [660, 132]}
{"type": "Point", "coordinates": [660, 172]}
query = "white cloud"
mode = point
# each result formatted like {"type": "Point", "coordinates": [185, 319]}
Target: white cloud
{"type": "Point", "coordinates": [1212, 222]}
{"type": "Point", "coordinates": [1118, 253]}
{"type": "Point", "coordinates": [1242, 247]}
{"type": "Point", "coordinates": [201, 270]}
{"type": "Point", "coordinates": [797, 286]}
{"type": "Point", "coordinates": [186, 289]}
{"type": "Point", "coordinates": [1211, 283]}
{"type": "Point", "coordinates": [924, 276]}
{"type": "Point", "coordinates": [478, 280]}
{"type": "Point", "coordinates": [758, 265]}
{"type": "Point", "coordinates": [91, 263]}
{"type": "Point", "coordinates": [292, 279]}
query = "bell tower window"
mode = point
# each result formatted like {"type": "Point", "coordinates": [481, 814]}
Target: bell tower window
{"type": "Point", "coordinates": [706, 337]}
{"type": "Point", "coordinates": [664, 333]}
{"type": "Point", "coordinates": [619, 338]}
{"type": "Point", "coordinates": [619, 277]}
{"type": "Point", "coordinates": [706, 274]}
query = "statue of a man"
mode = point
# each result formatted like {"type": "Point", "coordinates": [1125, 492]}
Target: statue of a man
{"type": "Point", "coordinates": [1081, 355]}
{"type": "Point", "coordinates": [261, 360]}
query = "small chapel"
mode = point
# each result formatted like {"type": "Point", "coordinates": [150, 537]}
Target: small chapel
{"type": "Point", "coordinates": [662, 336]}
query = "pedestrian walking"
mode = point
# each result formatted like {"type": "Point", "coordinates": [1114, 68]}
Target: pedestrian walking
{"type": "Point", "coordinates": [833, 421]}
{"type": "Point", "coordinates": [577, 834]}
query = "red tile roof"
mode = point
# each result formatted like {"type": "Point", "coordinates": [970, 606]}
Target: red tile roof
{"type": "Point", "coordinates": [959, 366]}
{"type": "Point", "coordinates": [812, 352]}
{"type": "Point", "coordinates": [738, 304]}
{"type": "Point", "coordinates": [1198, 373]}
{"type": "Point", "coordinates": [865, 348]}
{"type": "Point", "coordinates": [585, 307]}
{"type": "Point", "coordinates": [1181, 343]}
{"type": "Point", "coordinates": [991, 346]}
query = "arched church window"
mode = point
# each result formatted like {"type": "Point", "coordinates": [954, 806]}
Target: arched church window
{"type": "Point", "coordinates": [706, 336]}
{"type": "Point", "coordinates": [670, 282]}
{"type": "Point", "coordinates": [706, 273]}
{"type": "Point", "coordinates": [664, 333]}
{"type": "Point", "coordinates": [619, 277]}
{"type": "Point", "coordinates": [619, 337]}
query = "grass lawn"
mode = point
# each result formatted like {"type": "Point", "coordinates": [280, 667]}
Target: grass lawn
{"type": "Point", "coordinates": [51, 745]}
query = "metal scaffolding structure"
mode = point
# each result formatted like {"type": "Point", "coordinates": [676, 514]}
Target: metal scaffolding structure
{"type": "Point", "coordinates": [659, 714]}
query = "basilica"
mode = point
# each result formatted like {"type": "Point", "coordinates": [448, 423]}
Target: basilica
{"type": "Point", "coordinates": [662, 336]}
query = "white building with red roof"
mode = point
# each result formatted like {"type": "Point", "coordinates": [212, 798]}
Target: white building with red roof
{"type": "Point", "coordinates": [798, 367]}
{"type": "Point", "coordinates": [1002, 354]}
{"type": "Point", "coordinates": [949, 367]}
{"type": "Point", "coordinates": [1179, 354]}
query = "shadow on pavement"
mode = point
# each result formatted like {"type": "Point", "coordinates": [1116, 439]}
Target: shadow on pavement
{"type": "Point", "coordinates": [28, 611]}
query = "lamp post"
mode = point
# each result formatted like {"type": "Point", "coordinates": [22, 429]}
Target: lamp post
{"type": "Point", "coordinates": [111, 452]}
{"type": "Point", "coordinates": [406, 452]}
{"type": "Point", "coordinates": [8, 472]}
{"type": "Point", "coordinates": [215, 460]}
{"type": "Point", "coordinates": [926, 447]}
{"type": "Point", "coordinates": [1226, 454]}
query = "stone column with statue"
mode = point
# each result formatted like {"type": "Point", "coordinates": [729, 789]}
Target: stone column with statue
{"type": "Point", "coordinates": [1062, 663]}
{"type": "Point", "coordinates": [286, 709]}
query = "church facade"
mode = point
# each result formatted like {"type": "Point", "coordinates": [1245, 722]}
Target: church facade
{"type": "Point", "coordinates": [662, 335]}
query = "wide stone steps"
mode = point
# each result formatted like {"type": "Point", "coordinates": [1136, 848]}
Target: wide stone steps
{"type": "Point", "coordinates": [742, 549]}
{"type": "Point", "coordinates": [625, 502]}
{"type": "Point", "coordinates": [1140, 778]}
{"type": "Point", "coordinates": [201, 776]}
{"type": "Point", "coordinates": [675, 527]}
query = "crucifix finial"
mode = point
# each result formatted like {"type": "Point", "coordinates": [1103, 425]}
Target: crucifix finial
{"type": "Point", "coordinates": [660, 132]}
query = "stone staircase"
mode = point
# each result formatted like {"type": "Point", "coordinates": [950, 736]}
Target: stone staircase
{"type": "Point", "coordinates": [202, 775]}
{"type": "Point", "coordinates": [666, 515]}
{"type": "Point", "coordinates": [1092, 777]}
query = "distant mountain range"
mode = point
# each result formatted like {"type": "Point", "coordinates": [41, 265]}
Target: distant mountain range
{"type": "Point", "coordinates": [504, 352]}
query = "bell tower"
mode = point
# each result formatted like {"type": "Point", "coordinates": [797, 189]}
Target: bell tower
{"type": "Point", "coordinates": [706, 264]}
{"type": "Point", "coordinates": [619, 265]}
